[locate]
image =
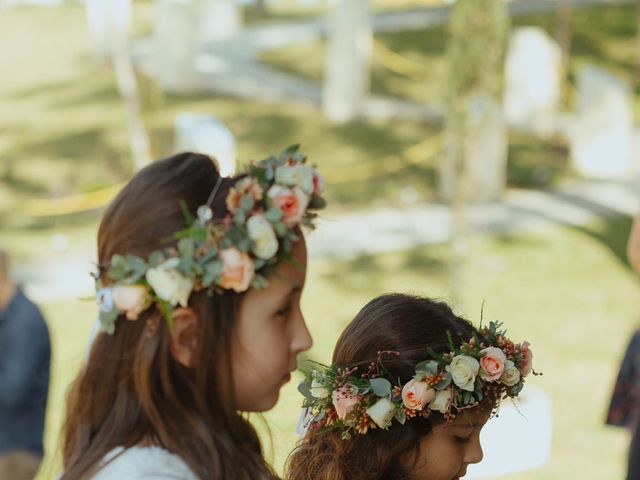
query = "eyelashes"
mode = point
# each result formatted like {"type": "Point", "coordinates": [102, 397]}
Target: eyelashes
{"type": "Point", "coordinates": [461, 440]}
{"type": "Point", "coordinates": [284, 311]}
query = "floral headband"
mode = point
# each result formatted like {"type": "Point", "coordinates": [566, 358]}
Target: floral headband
{"type": "Point", "coordinates": [342, 398]}
{"type": "Point", "coordinates": [264, 209]}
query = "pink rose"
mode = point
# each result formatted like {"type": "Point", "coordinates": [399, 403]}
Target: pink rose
{"type": "Point", "coordinates": [237, 270]}
{"type": "Point", "coordinates": [344, 400]}
{"type": "Point", "coordinates": [492, 364]}
{"type": "Point", "coordinates": [527, 359]}
{"type": "Point", "coordinates": [416, 394]}
{"type": "Point", "coordinates": [131, 299]}
{"type": "Point", "coordinates": [292, 201]}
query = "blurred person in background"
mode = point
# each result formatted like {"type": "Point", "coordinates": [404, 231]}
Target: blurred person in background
{"type": "Point", "coordinates": [624, 410]}
{"type": "Point", "coordinates": [25, 355]}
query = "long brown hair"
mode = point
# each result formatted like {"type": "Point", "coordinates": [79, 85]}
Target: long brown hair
{"type": "Point", "coordinates": [401, 323]}
{"type": "Point", "coordinates": [132, 391]}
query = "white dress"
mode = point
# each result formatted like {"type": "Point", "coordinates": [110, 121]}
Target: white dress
{"type": "Point", "coordinates": [137, 463]}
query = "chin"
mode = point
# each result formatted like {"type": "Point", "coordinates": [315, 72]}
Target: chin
{"type": "Point", "coordinates": [267, 402]}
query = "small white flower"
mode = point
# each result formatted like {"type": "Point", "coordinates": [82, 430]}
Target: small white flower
{"type": "Point", "coordinates": [318, 390]}
{"type": "Point", "coordinates": [442, 401]}
{"type": "Point", "coordinates": [105, 299]}
{"type": "Point", "coordinates": [261, 232]}
{"type": "Point", "coordinates": [463, 370]}
{"type": "Point", "coordinates": [511, 374]}
{"type": "Point", "coordinates": [296, 176]}
{"type": "Point", "coordinates": [169, 284]}
{"type": "Point", "coordinates": [382, 412]}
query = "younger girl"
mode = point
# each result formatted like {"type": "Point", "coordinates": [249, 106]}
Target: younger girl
{"type": "Point", "coordinates": [200, 321]}
{"type": "Point", "coordinates": [411, 386]}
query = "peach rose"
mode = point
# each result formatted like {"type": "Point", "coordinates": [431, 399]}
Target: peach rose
{"type": "Point", "coordinates": [237, 270]}
{"type": "Point", "coordinates": [492, 364]}
{"type": "Point", "coordinates": [344, 400]}
{"type": "Point", "coordinates": [292, 201]}
{"type": "Point", "coordinates": [242, 187]}
{"type": "Point", "coordinates": [132, 299]}
{"type": "Point", "coordinates": [296, 176]}
{"type": "Point", "coordinates": [416, 394]}
{"type": "Point", "coordinates": [527, 359]}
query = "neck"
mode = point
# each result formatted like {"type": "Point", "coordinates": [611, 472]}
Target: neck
{"type": "Point", "coordinates": [7, 291]}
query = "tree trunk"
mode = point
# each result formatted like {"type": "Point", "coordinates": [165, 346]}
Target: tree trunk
{"type": "Point", "coordinates": [128, 88]}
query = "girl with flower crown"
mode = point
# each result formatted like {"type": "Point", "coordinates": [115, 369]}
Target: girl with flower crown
{"type": "Point", "coordinates": [200, 322]}
{"type": "Point", "coordinates": [410, 389]}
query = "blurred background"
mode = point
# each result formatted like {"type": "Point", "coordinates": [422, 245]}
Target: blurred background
{"type": "Point", "coordinates": [474, 151]}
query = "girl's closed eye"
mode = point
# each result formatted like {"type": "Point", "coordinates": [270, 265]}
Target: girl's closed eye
{"type": "Point", "coordinates": [460, 439]}
{"type": "Point", "coordinates": [284, 311]}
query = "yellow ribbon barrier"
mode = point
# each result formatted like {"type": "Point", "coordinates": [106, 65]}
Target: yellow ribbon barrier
{"type": "Point", "coordinates": [81, 202]}
{"type": "Point", "coordinates": [397, 63]}
{"type": "Point", "coordinates": [414, 155]}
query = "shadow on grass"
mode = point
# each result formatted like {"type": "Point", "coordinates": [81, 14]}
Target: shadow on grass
{"type": "Point", "coordinates": [613, 234]}
{"type": "Point", "coordinates": [370, 272]}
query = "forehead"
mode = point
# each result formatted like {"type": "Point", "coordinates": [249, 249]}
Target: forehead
{"type": "Point", "coordinates": [291, 271]}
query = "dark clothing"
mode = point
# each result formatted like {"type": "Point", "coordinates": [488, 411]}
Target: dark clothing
{"type": "Point", "coordinates": [25, 355]}
{"type": "Point", "coordinates": [624, 410]}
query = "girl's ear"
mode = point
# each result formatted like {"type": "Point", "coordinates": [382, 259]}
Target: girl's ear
{"type": "Point", "coordinates": [184, 336]}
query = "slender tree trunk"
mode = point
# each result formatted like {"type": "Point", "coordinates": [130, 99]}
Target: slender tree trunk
{"type": "Point", "coordinates": [563, 35]}
{"type": "Point", "coordinates": [128, 87]}
{"type": "Point", "coordinates": [637, 73]}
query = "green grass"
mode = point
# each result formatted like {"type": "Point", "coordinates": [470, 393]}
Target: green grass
{"type": "Point", "coordinates": [565, 290]}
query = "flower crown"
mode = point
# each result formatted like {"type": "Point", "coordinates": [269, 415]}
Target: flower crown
{"type": "Point", "coordinates": [342, 398]}
{"type": "Point", "coordinates": [265, 208]}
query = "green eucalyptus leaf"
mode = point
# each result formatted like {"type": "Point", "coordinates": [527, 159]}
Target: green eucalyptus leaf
{"type": "Point", "coordinates": [246, 202]}
{"type": "Point", "coordinates": [156, 258]}
{"type": "Point", "coordinates": [317, 203]}
{"type": "Point", "coordinates": [401, 416]}
{"type": "Point", "coordinates": [186, 247]}
{"type": "Point", "coordinates": [281, 229]}
{"type": "Point", "coordinates": [273, 215]}
{"type": "Point", "coordinates": [429, 367]}
{"type": "Point", "coordinates": [381, 386]}
{"type": "Point", "coordinates": [119, 268]}
{"type": "Point", "coordinates": [212, 272]}
{"type": "Point", "coordinates": [444, 383]}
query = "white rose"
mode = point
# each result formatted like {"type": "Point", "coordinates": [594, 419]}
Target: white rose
{"type": "Point", "coordinates": [442, 401]}
{"type": "Point", "coordinates": [463, 370]}
{"type": "Point", "coordinates": [296, 176]}
{"type": "Point", "coordinates": [511, 374]}
{"type": "Point", "coordinates": [261, 232]}
{"type": "Point", "coordinates": [382, 412]}
{"type": "Point", "coordinates": [318, 390]}
{"type": "Point", "coordinates": [169, 284]}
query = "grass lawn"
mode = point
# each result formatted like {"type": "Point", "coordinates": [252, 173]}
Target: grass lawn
{"type": "Point", "coordinates": [566, 290]}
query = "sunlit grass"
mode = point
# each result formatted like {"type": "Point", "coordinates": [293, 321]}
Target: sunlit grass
{"type": "Point", "coordinates": [567, 291]}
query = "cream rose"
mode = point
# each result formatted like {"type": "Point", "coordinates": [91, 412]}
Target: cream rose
{"type": "Point", "coordinates": [292, 202]}
{"type": "Point", "coordinates": [169, 284]}
{"type": "Point", "coordinates": [442, 401]}
{"type": "Point", "coordinates": [527, 359]}
{"type": "Point", "coordinates": [382, 412]}
{"type": "Point", "coordinates": [415, 394]}
{"type": "Point", "coordinates": [262, 234]}
{"type": "Point", "coordinates": [463, 370]}
{"type": "Point", "coordinates": [511, 374]}
{"type": "Point", "coordinates": [344, 400]}
{"type": "Point", "coordinates": [237, 270]}
{"type": "Point", "coordinates": [318, 390]}
{"type": "Point", "coordinates": [492, 364]}
{"type": "Point", "coordinates": [296, 176]}
{"type": "Point", "coordinates": [131, 299]}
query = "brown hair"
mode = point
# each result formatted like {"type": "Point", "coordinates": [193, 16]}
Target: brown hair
{"type": "Point", "coordinates": [132, 391]}
{"type": "Point", "coordinates": [401, 323]}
